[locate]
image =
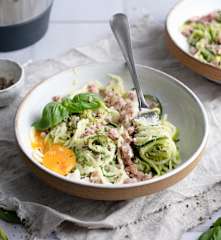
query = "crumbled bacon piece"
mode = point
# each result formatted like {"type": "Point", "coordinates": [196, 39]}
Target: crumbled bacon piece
{"type": "Point", "coordinates": [193, 50]}
{"type": "Point", "coordinates": [207, 18]}
{"type": "Point", "coordinates": [91, 130]}
{"type": "Point", "coordinates": [119, 103]}
{"type": "Point", "coordinates": [132, 95]}
{"type": "Point", "coordinates": [56, 98]}
{"type": "Point", "coordinates": [131, 130]}
{"type": "Point", "coordinates": [112, 99]}
{"type": "Point", "coordinates": [127, 153]}
{"type": "Point", "coordinates": [130, 166]}
{"type": "Point", "coordinates": [127, 138]}
{"type": "Point", "coordinates": [127, 113]}
{"type": "Point", "coordinates": [95, 178]}
{"type": "Point", "coordinates": [113, 134]}
{"type": "Point", "coordinates": [187, 31]}
{"type": "Point", "coordinates": [92, 88]}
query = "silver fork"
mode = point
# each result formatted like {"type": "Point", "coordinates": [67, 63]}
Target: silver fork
{"type": "Point", "coordinates": [121, 30]}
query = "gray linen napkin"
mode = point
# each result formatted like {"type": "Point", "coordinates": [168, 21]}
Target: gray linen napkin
{"type": "Point", "coordinates": [165, 215]}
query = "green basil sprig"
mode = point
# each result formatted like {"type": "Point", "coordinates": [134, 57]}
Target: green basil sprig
{"type": "Point", "coordinates": [55, 112]}
{"type": "Point", "coordinates": [9, 216]}
{"type": "Point", "coordinates": [214, 233]}
{"type": "Point", "coordinates": [81, 102]}
{"type": "Point", "coordinates": [3, 235]}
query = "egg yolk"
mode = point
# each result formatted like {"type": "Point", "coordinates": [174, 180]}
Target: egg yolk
{"type": "Point", "coordinates": [39, 142]}
{"type": "Point", "coordinates": [57, 158]}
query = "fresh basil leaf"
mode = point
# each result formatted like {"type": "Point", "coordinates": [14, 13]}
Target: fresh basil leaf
{"type": "Point", "coordinates": [217, 223]}
{"type": "Point", "coordinates": [70, 105]}
{"type": "Point", "coordinates": [81, 102]}
{"type": "Point", "coordinates": [87, 101]}
{"type": "Point", "coordinates": [9, 216]}
{"type": "Point", "coordinates": [3, 235]}
{"type": "Point", "coordinates": [213, 233]}
{"type": "Point", "coordinates": [53, 113]}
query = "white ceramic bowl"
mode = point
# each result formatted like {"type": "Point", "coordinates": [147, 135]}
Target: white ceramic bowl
{"type": "Point", "coordinates": [177, 43]}
{"type": "Point", "coordinates": [182, 106]}
{"type": "Point", "coordinates": [10, 70]}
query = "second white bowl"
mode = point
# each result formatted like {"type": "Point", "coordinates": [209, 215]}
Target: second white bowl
{"type": "Point", "coordinates": [177, 43]}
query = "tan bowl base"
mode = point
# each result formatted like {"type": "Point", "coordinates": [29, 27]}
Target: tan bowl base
{"type": "Point", "coordinates": [108, 194]}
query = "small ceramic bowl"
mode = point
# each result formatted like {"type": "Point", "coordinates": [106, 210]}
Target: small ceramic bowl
{"type": "Point", "coordinates": [177, 43]}
{"type": "Point", "coordinates": [183, 107]}
{"type": "Point", "coordinates": [10, 71]}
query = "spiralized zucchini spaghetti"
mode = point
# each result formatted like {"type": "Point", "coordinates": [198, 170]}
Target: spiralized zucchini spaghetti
{"type": "Point", "coordinates": [94, 135]}
{"type": "Point", "coordinates": [204, 37]}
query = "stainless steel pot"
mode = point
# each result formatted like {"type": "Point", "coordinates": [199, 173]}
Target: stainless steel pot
{"type": "Point", "coordinates": [22, 22]}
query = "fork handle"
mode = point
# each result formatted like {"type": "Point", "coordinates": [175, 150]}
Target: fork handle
{"type": "Point", "coordinates": [120, 28]}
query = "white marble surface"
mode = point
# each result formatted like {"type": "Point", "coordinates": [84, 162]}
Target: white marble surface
{"type": "Point", "coordinates": [79, 22]}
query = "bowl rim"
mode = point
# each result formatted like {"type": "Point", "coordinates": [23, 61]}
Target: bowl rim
{"type": "Point", "coordinates": [18, 80]}
{"type": "Point", "coordinates": [173, 172]}
{"type": "Point", "coordinates": [174, 8]}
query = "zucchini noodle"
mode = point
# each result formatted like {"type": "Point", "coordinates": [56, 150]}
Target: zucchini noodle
{"type": "Point", "coordinates": [109, 143]}
{"type": "Point", "coordinates": [156, 147]}
{"type": "Point", "coordinates": [204, 37]}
